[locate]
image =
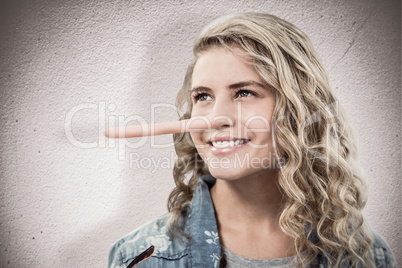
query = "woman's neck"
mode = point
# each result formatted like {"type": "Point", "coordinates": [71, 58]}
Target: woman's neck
{"type": "Point", "coordinates": [253, 200]}
{"type": "Point", "coordinates": [247, 212]}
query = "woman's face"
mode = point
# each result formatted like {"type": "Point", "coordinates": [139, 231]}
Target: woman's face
{"type": "Point", "coordinates": [239, 106]}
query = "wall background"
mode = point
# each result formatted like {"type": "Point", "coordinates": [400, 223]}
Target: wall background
{"type": "Point", "coordinates": [64, 205]}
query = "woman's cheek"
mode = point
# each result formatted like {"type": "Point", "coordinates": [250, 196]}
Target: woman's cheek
{"type": "Point", "coordinates": [257, 124]}
{"type": "Point", "coordinates": [197, 138]}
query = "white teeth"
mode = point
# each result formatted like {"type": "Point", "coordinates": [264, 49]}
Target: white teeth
{"type": "Point", "coordinates": [224, 144]}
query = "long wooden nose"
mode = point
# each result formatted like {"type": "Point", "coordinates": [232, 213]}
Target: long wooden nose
{"type": "Point", "coordinates": [195, 124]}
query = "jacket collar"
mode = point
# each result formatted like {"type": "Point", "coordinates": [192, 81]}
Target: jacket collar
{"type": "Point", "coordinates": [204, 245]}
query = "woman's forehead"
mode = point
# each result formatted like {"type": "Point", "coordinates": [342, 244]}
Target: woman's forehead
{"type": "Point", "coordinates": [222, 65]}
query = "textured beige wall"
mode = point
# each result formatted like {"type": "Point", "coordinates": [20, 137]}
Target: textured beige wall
{"type": "Point", "coordinates": [67, 66]}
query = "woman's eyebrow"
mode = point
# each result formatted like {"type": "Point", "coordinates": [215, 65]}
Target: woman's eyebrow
{"type": "Point", "coordinates": [203, 89]}
{"type": "Point", "coordinates": [232, 86]}
{"type": "Point", "coordinates": [246, 84]}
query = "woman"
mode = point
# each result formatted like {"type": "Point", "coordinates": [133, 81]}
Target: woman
{"type": "Point", "coordinates": [274, 181]}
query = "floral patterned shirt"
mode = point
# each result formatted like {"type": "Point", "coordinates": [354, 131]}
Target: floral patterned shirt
{"type": "Point", "coordinates": [151, 245]}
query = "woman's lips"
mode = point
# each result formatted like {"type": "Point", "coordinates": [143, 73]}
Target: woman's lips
{"type": "Point", "coordinates": [226, 147]}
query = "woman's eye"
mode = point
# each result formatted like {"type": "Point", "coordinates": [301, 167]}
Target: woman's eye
{"type": "Point", "coordinates": [203, 97]}
{"type": "Point", "coordinates": [244, 93]}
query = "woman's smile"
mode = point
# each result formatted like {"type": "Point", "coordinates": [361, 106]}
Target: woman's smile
{"type": "Point", "coordinates": [226, 145]}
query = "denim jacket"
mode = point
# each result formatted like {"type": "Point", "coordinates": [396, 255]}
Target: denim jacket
{"type": "Point", "coordinates": [152, 245]}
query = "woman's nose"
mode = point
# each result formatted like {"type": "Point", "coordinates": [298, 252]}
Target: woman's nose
{"type": "Point", "coordinates": [223, 114]}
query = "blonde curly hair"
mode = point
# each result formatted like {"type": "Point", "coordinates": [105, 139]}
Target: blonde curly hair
{"type": "Point", "coordinates": [321, 181]}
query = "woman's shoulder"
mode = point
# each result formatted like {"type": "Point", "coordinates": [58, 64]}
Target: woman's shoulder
{"type": "Point", "coordinates": [383, 255]}
{"type": "Point", "coordinates": [151, 239]}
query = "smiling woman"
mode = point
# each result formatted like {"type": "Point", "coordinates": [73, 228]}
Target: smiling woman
{"type": "Point", "coordinates": [227, 87]}
{"type": "Point", "coordinates": [273, 182]}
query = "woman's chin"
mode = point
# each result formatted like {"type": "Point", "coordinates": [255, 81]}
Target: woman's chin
{"type": "Point", "coordinates": [227, 174]}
